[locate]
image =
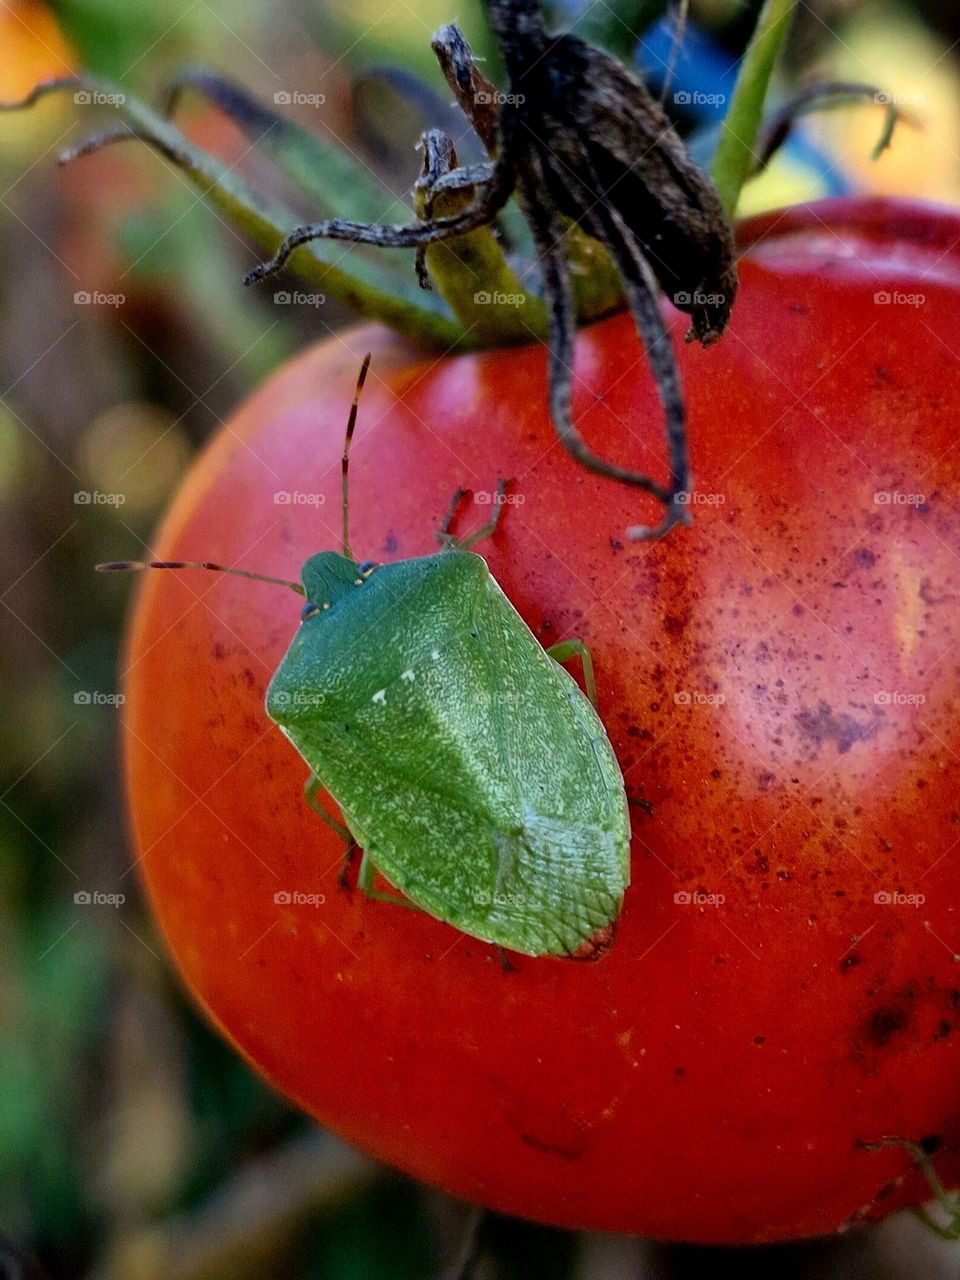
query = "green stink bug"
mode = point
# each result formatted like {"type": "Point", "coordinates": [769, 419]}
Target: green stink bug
{"type": "Point", "coordinates": [466, 763]}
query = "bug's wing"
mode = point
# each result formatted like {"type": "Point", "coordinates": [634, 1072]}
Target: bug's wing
{"type": "Point", "coordinates": [572, 855]}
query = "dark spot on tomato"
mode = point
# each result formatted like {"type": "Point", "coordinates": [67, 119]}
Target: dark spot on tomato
{"type": "Point", "coordinates": [865, 558]}
{"type": "Point", "coordinates": [850, 961]}
{"type": "Point", "coordinates": [943, 1030]}
{"type": "Point", "coordinates": [885, 1023]}
{"type": "Point", "coordinates": [549, 1148]}
{"type": "Point", "coordinates": [219, 652]}
{"type": "Point", "coordinates": [824, 725]}
{"type": "Point", "coordinates": [391, 543]}
{"type": "Point", "coordinates": [759, 1039]}
{"type": "Point", "coordinates": [930, 1144]}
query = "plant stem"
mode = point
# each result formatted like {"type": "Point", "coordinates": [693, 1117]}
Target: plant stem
{"type": "Point", "coordinates": [735, 154]}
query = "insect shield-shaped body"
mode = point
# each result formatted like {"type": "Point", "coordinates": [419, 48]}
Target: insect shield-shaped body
{"type": "Point", "coordinates": [467, 764]}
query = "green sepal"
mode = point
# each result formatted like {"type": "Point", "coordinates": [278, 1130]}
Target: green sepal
{"type": "Point", "coordinates": [473, 275]}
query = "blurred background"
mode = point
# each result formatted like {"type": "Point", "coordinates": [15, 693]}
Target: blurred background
{"type": "Point", "coordinates": [133, 1142]}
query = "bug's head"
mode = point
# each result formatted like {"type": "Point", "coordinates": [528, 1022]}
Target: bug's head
{"type": "Point", "coordinates": [329, 576]}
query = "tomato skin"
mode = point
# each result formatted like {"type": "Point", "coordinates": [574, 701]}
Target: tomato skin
{"type": "Point", "coordinates": [714, 1076]}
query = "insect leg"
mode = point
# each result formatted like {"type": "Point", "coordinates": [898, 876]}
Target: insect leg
{"type": "Point", "coordinates": [921, 1154]}
{"type": "Point", "coordinates": [567, 649]}
{"type": "Point", "coordinates": [311, 791]}
{"type": "Point", "coordinates": [450, 541]}
{"type": "Point", "coordinates": [366, 880]}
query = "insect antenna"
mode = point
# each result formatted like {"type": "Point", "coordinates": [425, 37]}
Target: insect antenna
{"type": "Point", "coordinates": [345, 460]}
{"type": "Point", "coordinates": [124, 566]}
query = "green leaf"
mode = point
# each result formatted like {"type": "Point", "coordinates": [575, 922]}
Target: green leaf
{"type": "Point", "coordinates": [365, 286]}
{"type": "Point", "coordinates": [339, 184]}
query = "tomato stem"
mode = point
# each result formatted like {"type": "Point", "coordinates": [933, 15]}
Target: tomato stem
{"type": "Point", "coordinates": [735, 156]}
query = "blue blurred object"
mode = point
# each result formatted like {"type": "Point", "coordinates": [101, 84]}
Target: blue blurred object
{"type": "Point", "coordinates": [702, 84]}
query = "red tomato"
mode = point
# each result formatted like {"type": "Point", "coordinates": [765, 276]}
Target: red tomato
{"type": "Point", "coordinates": [780, 682]}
